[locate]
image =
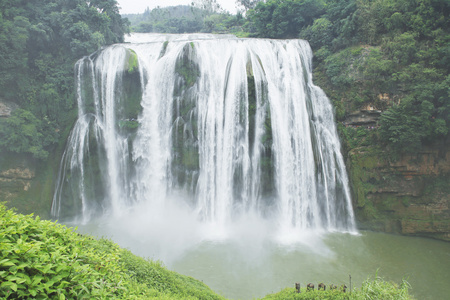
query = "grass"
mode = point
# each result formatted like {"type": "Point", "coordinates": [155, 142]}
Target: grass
{"type": "Point", "coordinates": [45, 260]}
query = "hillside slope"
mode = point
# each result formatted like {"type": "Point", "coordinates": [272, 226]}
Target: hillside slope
{"type": "Point", "coordinates": [42, 259]}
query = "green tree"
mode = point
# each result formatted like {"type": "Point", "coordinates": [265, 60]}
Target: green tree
{"type": "Point", "coordinates": [248, 4]}
{"type": "Point", "coordinates": [284, 18]}
{"type": "Point", "coordinates": [320, 33]}
{"type": "Point", "coordinates": [24, 133]}
{"type": "Point", "coordinates": [40, 40]}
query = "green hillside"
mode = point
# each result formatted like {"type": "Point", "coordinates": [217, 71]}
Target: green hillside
{"type": "Point", "coordinates": [41, 260]}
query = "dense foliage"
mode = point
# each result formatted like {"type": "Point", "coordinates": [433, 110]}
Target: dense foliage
{"type": "Point", "coordinates": [45, 260]}
{"type": "Point", "coordinates": [24, 133]}
{"type": "Point", "coordinates": [39, 43]}
{"type": "Point", "coordinates": [284, 18]}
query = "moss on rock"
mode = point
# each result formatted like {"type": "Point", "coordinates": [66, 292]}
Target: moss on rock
{"type": "Point", "coordinates": [186, 67]}
{"type": "Point", "coordinates": [390, 196]}
{"type": "Point", "coordinates": [132, 65]}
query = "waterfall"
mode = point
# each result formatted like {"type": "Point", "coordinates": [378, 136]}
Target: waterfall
{"type": "Point", "coordinates": [228, 126]}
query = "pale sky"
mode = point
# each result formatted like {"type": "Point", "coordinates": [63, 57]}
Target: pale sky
{"type": "Point", "coordinates": [139, 6]}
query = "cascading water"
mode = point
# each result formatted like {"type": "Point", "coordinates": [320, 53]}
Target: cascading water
{"type": "Point", "coordinates": [219, 157]}
{"type": "Point", "coordinates": [230, 127]}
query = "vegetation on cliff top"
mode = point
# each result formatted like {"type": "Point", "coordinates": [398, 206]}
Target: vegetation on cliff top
{"type": "Point", "coordinates": [43, 259]}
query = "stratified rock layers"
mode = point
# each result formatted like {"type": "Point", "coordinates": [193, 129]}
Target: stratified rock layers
{"type": "Point", "coordinates": [410, 195]}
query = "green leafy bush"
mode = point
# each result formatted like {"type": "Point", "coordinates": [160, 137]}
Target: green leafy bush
{"type": "Point", "coordinates": [45, 260]}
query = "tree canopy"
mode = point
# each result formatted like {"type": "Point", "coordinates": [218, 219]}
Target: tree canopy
{"type": "Point", "coordinates": [284, 18]}
{"type": "Point", "coordinates": [391, 54]}
{"type": "Point", "coordinates": [40, 40]}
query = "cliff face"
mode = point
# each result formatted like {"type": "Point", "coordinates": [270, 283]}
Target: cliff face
{"type": "Point", "coordinates": [26, 184]}
{"type": "Point", "coordinates": [18, 180]}
{"type": "Point", "coordinates": [410, 195]}
{"type": "Point", "coordinates": [15, 181]}
{"type": "Point", "coordinates": [16, 177]}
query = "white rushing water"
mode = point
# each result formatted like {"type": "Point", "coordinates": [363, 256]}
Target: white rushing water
{"type": "Point", "coordinates": [225, 129]}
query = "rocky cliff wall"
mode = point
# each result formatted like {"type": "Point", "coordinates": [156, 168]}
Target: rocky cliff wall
{"type": "Point", "coordinates": [15, 181]}
{"type": "Point", "coordinates": [26, 184]}
{"type": "Point", "coordinates": [409, 195]}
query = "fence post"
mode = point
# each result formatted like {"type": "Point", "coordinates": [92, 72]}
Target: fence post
{"type": "Point", "coordinates": [350, 283]}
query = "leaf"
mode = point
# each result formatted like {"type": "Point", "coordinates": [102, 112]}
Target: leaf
{"type": "Point", "coordinates": [62, 297]}
{"type": "Point", "coordinates": [84, 288]}
{"type": "Point", "coordinates": [37, 279]}
{"type": "Point", "coordinates": [23, 266]}
{"type": "Point", "coordinates": [63, 284]}
{"type": "Point", "coordinates": [6, 263]}
{"type": "Point", "coordinates": [9, 284]}
{"type": "Point", "coordinates": [47, 269]}
{"type": "Point", "coordinates": [15, 278]}
{"type": "Point", "coordinates": [25, 277]}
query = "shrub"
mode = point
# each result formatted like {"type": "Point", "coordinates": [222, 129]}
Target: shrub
{"type": "Point", "coordinates": [43, 259]}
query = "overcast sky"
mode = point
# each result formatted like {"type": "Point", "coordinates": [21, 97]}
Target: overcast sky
{"type": "Point", "coordinates": [139, 6]}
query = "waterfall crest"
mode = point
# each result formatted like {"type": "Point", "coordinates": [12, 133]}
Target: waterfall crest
{"type": "Point", "coordinates": [229, 126]}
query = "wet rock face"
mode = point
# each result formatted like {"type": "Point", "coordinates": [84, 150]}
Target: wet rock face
{"type": "Point", "coordinates": [14, 182]}
{"type": "Point", "coordinates": [17, 173]}
{"type": "Point", "coordinates": [17, 176]}
{"type": "Point", "coordinates": [410, 196]}
{"type": "Point", "coordinates": [363, 117]}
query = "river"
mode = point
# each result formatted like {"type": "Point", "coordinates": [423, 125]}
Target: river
{"type": "Point", "coordinates": [250, 261]}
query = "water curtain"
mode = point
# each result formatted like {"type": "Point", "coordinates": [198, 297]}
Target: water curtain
{"type": "Point", "coordinates": [228, 126]}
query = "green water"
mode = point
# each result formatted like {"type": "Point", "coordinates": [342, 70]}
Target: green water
{"type": "Point", "coordinates": [424, 263]}
{"type": "Point", "coordinates": [254, 263]}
